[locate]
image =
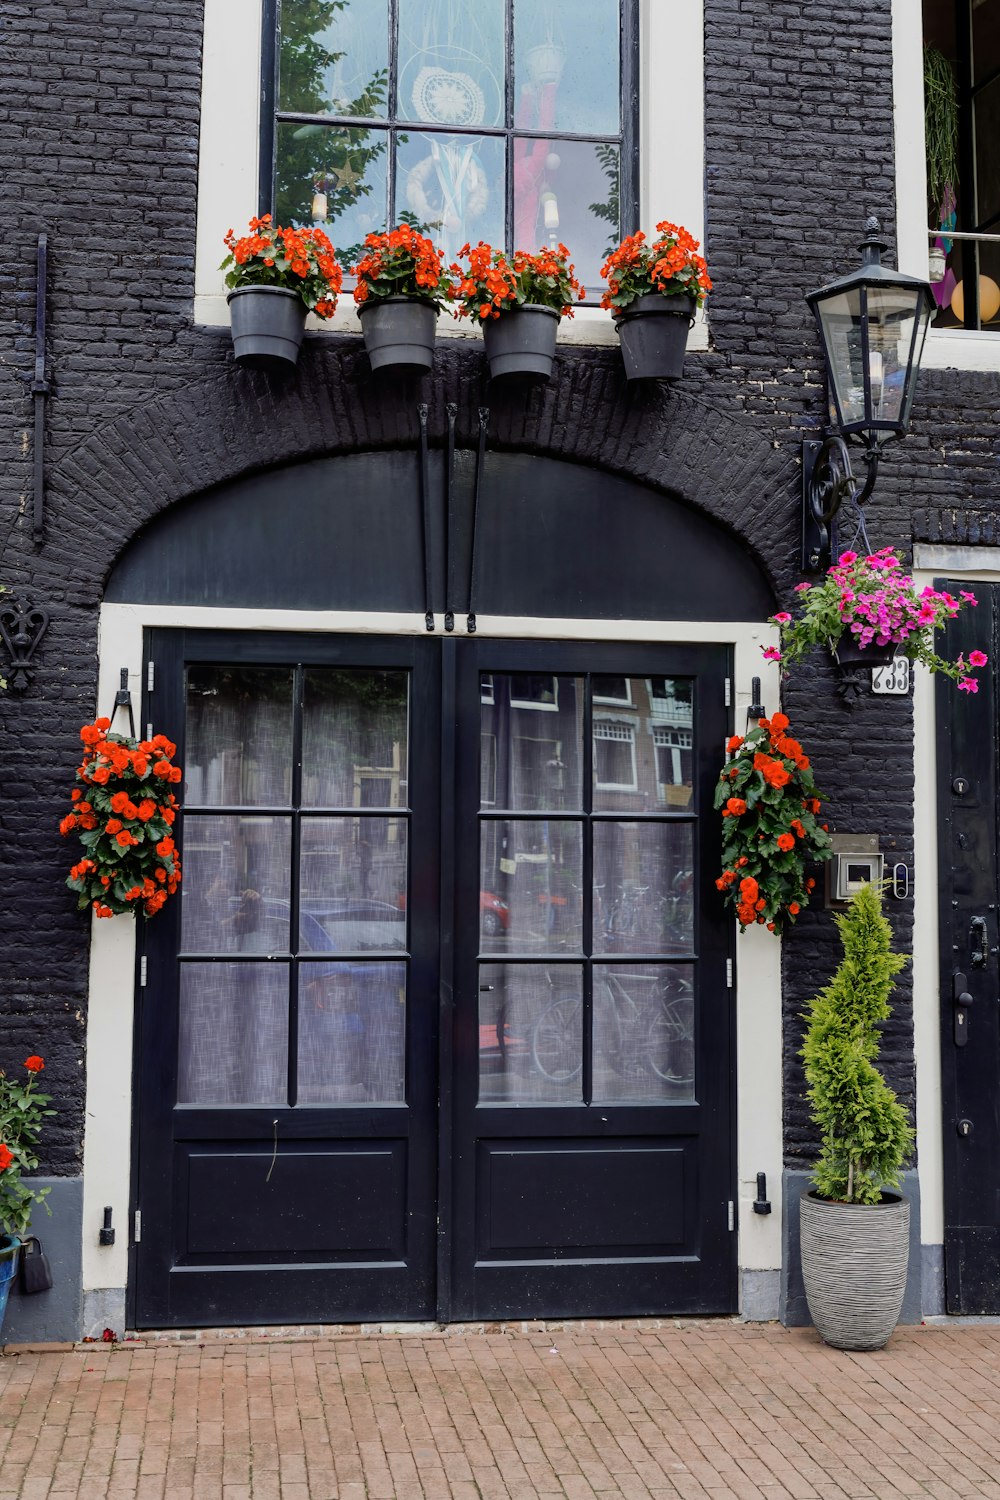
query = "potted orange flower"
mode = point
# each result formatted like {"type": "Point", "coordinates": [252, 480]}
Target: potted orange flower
{"type": "Point", "coordinates": [770, 826]}
{"type": "Point", "coordinates": [277, 276]}
{"type": "Point", "coordinates": [653, 291]}
{"type": "Point", "coordinates": [22, 1110]}
{"type": "Point", "coordinates": [518, 301]}
{"type": "Point", "coordinates": [124, 814]}
{"type": "Point", "coordinates": [401, 286]}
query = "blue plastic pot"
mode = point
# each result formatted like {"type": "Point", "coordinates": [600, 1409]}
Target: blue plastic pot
{"type": "Point", "coordinates": [10, 1247]}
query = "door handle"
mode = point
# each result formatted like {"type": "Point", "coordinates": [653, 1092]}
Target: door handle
{"type": "Point", "coordinates": [962, 999]}
{"type": "Point", "coordinates": [978, 943]}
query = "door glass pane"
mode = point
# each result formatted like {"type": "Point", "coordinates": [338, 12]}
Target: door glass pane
{"type": "Point", "coordinates": [352, 1031]}
{"type": "Point", "coordinates": [354, 739]}
{"type": "Point", "coordinates": [567, 66]}
{"type": "Point", "coordinates": [568, 192]}
{"type": "Point", "coordinates": [532, 734]}
{"type": "Point", "coordinates": [235, 893]}
{"type": "Point", "coordinates": [238, 748]}
{"type": "Point", "coordinates": [353, 893]}
{"type": "Point", "coordinates": [233, 1034]}
{"type": "Point", "coordinates": [334, 58]}
{"type": "Point", "coordinates": [643, 887]}
{"type": "Point", "coordinates": [451, 62]}
{"type": "Point", "coordinates": [643, 743]}
{"type": "Point", "coordinates": [454, 187]}
{"type": "Point", "coordinates": [530, 883]}
{"type": "Point", "coordinates": [644, 1047]}
{"type": "Point", "coordinates": [530, 1033]}
{"type": "Point", "coordinates": [334, 178]}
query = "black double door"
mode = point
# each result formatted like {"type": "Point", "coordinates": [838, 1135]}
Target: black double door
{"type": "Point", "coordinates": [439, 1026]}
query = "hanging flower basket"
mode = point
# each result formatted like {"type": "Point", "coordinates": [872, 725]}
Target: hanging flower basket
{"type": "Point", "coordinates": [522, 342]}
{"type": "Point", "coordinates": [868, 610]}
{"type": "Point", "coordinates": [124, 815]}
{"type": "Point", "coordinates": [399, 331]}
{"type": "Point", "coordinates": [401, 287]}
{"type": "Point", "coordinates": [653, 332]}
{"type": "Point", "coordinates": [276, 277]}
{"type": "Point", "coordinates": [653, 292]}
{"type": "Point", "coordinates": [268, 325]}
{"type": "Point", "coordinates": [518, 301]}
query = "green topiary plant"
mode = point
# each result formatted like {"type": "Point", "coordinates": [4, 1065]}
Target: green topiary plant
{"type": "Point", "coordinates": [866, 1136]}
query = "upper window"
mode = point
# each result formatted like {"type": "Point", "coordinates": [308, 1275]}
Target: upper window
{"type": "Point", "coordinates": [962, 127]}
{"type": "Point", "coordinates": [498, 120]}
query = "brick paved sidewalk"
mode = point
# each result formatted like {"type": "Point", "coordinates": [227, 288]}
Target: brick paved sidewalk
{"type": "Point", "coordinates": [642, 1412]}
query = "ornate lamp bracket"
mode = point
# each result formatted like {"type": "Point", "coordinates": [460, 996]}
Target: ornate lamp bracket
{"type": "Point", "coordinates": [22, 628]}
{"type": "Point", "coordinates": [828, 481]}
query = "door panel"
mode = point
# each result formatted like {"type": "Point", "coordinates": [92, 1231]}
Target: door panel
{"type": "Point", "coordinates": [970, 1033]}
{"type": "Point", "coordinates": [288, 1033]}
{"type": "Point", "coordinates": [592, 1152]}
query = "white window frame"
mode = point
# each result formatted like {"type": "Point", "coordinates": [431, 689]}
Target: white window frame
{"type": "Point", "coordinates": [625, 702]}
{"type": "Point", "coordinates": [671, 182]}
{"type": "Point", "coordinates": [624, 735]}
{"type": "Point", "coordinates": [945, 348]}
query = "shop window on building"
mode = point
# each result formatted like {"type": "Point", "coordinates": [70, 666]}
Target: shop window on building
{"type": "Point", "coordinates": [962, 130]}
{"type": "Point", "coordinates": [477, 121]}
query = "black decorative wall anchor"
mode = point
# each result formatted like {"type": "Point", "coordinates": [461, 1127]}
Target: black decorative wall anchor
{"type": "Point", "coordinates": [22, 630]}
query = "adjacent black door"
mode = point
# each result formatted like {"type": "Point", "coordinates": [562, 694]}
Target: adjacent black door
{"type": "Point", "coordinates": [439, 1026]}
{"type": "Point", "coordinates": [970, 976]}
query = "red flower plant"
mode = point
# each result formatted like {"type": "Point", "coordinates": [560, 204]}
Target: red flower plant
{"type": "Point", "coordinates": [124, 815]}
{"type": "Point", "coordinates": [669, 265]}
{"type": "Point", "coordinates": [494, 283]}
{"type": "Point", "coordinates": [768, 801]}
{"type": "Point", "coordinates": [297, 260]}
{"type": "Point", "coordinates": [402, 263]}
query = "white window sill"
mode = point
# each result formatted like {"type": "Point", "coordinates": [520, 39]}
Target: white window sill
{"type": "Point", "coordinates": [961, 350]}
{"type": "Point", "coordinates": [589, 325]}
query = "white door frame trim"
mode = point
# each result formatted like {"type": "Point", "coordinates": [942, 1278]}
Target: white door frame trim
{"type": "Point", "coordinates": [107, 1143]}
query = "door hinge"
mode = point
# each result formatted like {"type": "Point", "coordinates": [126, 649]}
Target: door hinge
{"type": "Point", "coordinates": [729, 974]}
{"type": "Point", "coordinates": [150, 676]}
{"type": "Point", "coordinates": [137, 1227]}
{"type": "Point", "coordinates": [142, 972]}
{"type": "Point", "coordinates": [731, 1210]}
{"type": "Point", "coordinates": [729, 692]}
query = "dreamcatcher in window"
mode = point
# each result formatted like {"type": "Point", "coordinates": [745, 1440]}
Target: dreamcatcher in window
{"type": "Point", "coordinates": [445, 83]}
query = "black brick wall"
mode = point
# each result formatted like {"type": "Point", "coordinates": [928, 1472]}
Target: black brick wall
{"type": "Point", "coordinates": [98, 146]}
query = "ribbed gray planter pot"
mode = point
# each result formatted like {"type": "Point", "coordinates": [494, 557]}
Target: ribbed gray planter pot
{"type": "Point", "coordinates": [854, 1262]}
{"type": "Point", "coordinates": [399, 331]}
{"type": "Point", "coordinates": [653, 332]}
{"type": "Point", "coordinates": [268, 324]}
{"type": "Point", "coordinates": [522, 342]}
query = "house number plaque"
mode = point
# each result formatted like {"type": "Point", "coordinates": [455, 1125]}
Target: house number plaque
{"type": "Point", "coordinates": [895, 678]}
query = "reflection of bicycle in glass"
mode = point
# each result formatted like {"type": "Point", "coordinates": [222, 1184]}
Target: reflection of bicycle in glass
{"type": "Point", "coordinates": [646, 917]}
{"type": "Point", "coordinates": [654, 1032]}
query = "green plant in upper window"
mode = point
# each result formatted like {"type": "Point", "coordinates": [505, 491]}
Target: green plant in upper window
{"type": "Point", "coordinates": [864, 1130]}
{"type": "Point", "coordinates": [940, 126]}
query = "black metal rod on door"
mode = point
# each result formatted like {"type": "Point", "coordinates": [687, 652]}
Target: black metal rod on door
{"type": "Point", "coordinates": [449, 613]}
{"type": "Point", "coordinates": [425, 515]}
{"type": "Point", "coordinates": [484, 420]}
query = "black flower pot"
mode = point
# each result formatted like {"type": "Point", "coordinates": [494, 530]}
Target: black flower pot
{"type": "Point", "coordinates": [399, 332]}
{"type": "Point", "coordinates": [848, 653]}
{"type": "Point", "coordinates": [268, 324]}
{"type": "Point", "coordinates": [653, 331]}
{"type": "Point", "coordinates": [521, 342]}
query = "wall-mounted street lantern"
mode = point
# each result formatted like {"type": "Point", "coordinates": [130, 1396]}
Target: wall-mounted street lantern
{"type": "Point", "coordinates": [872, 325]}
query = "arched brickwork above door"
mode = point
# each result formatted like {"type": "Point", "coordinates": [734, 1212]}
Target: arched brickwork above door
{"type": "Point", "coordinates": [234, 423]}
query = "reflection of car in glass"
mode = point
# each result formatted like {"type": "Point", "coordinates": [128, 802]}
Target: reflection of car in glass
{"type": "Point", "coordinates": [494, 914]}
{"type": "Point", "coordinates": [356, 926]}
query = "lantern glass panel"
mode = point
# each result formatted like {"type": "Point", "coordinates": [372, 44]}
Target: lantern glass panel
{"type": "Point", "coordinates": [840, 324]}
{"type": "Point", "coordinates": [892, 316]}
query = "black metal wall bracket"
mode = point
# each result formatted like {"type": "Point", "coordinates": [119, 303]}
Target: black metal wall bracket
{"type": "Point", "coordinates": [828, 482]}
{"type": "Point", "coordinates": [39, 390]}
{"type": "Point", "coordinates": [21, 629]}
